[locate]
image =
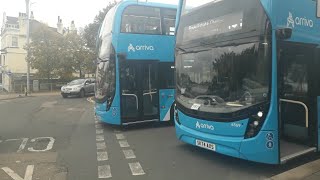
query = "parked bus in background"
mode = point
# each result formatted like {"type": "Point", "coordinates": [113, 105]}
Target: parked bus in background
{"type": "Point", "coordinates": [135, 71]}
{"type": "Point", "coordinates": [247, 74]}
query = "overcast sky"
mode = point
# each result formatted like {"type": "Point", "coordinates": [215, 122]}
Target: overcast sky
{"type": "Point", "coordinates": [47, 11]}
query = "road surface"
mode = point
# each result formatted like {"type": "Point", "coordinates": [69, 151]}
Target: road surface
{"type": "Point", "coordinates": [51, 138]}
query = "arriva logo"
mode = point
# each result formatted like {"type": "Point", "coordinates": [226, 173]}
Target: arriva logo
{"type": "Point", "coordinates": [204, 126]}
{"type": "Point", "coordinates": [298, 21]}
{"type": "Point", "coordinates": [132, 48]}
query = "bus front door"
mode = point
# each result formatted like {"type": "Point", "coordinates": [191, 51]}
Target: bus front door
{"type": "Point", "coordinates": [298, 117]}
{"type": "Point", "coordinates": [139, 91]}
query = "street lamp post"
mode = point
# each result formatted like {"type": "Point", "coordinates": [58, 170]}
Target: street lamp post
{"type": "Point", "coordinates": [27, 42]}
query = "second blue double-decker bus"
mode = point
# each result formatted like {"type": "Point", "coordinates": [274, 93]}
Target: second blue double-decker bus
{"type": "Point", "coordinates": [247, 74]}
{"type": "Point", "coordinates": [135, 71]}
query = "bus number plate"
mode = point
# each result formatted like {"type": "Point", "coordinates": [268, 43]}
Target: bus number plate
{"type": "Point", "coordinates": [206, 145]}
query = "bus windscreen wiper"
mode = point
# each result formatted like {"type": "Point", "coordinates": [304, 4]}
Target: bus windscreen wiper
{"type": "Point", "coordinates": [181, 49]}
{"type": "Point", "coordinates": [196, 51]}
{"type": "Point", "coordinates": [192, 51]}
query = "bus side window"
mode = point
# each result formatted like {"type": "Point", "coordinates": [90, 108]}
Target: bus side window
{"type": "Point", "coordinates": [168, 17]}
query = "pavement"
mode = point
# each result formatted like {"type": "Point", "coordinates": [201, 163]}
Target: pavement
{"type": "Point", "coordinates": [6, 96]}
{"type": "Point", "coordinates": [47, 137]}
{"type": "Point", "coordinates": [308, 171]}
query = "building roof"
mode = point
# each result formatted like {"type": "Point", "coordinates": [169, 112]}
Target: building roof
{"type": "Point", "coordinates": [12, 20]}
{"type": "Point", "coordinates": [35, 25]}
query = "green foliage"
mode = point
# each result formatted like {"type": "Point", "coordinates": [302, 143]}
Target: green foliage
{"type": "Point", "coordinates": [60, 56]}
{"type": "Point", "coordinates": [79, 54]}
{"type": "Point", "coordinates": [91, 30]}
{"type": "Point", "coordinates": [54, 55]}
{"type": "Point", "coordinates": [44, 51]}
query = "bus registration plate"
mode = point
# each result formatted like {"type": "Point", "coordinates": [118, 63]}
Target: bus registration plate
{"type": "Point", "coordinates": [206, 145]}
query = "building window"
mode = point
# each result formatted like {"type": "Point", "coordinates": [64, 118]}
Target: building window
{"type": "Point", "coordinates": [14, 41]}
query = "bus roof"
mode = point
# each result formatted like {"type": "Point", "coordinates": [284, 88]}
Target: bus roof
{"type": "Point", "coordinates": [154, 4]}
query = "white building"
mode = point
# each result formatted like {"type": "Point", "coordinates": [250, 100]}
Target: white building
{"type": "Point", "coordinates": [13, 66]}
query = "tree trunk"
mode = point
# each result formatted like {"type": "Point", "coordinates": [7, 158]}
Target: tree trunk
{"type": "Point", "coordinates": [80, 73]}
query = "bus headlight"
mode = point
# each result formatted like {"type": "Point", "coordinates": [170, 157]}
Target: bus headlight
{"type": "Point", "coordinates": [256, 121]}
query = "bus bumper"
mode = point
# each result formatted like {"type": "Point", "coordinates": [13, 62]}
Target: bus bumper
{"type": "Point", "coordinates": [112, 116]}
{"type": "Point", "coordinates": [254, 149]}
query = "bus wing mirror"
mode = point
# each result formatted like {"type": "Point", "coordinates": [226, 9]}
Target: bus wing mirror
{"type": "Point", "coordinates": [284, 33]}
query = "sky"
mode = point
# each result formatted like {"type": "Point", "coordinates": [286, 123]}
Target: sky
{"type": "Point", "coordinates": [47, 11]}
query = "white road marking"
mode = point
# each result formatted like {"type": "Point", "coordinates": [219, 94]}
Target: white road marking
{"type": "Point", "coordinates": [104, 172]}
{"type": "Point", "coordinates": [101, 146]}
{"type": "Point", "coordinates": [102, 156]}
{"type": "Point", "coordinates": [124, 143]}
{"type": "Point", "coordinates": [49, 146]}
{"type": "Point", "coordinates": [129, 154]}
{"type": "Point", "coordinates": [23, 144]}
{"type": "Point", "coordinates": [120, 136]}
{"type": "Point", "coordinates": [99, 126]}
{"type": "Point", "coordinates": [99, 131]}
{"type": "Point", "coordinates": [136, 169]}
{"type": "Point", "coordinates": [99, 138]}
{"type": "Point", "coordinates": [117, 131]}
{"type": "Point", "coordinates": [15, 176]}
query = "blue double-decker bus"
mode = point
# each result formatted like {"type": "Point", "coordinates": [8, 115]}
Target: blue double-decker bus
{"type": "Point", "coordinates": [135, 71]}
{"type": "Point", "coordinates": [247, 78]}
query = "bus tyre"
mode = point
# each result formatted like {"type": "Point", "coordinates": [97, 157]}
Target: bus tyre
{"type": "Point", "coordinates": [82, 93]}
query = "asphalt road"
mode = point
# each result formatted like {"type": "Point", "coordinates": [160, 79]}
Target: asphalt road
{"type": "Point", "coordinates": [51, 138]}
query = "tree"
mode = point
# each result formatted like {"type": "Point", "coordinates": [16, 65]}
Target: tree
{"type": "Point", "coordinates": [91, 30]}
{"type": "Point", "coordinates": [60, 56]}
{"type": "Point", "coordinates": [80, 56]}
{"type": "Point", "coordinates": [42, 51]}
